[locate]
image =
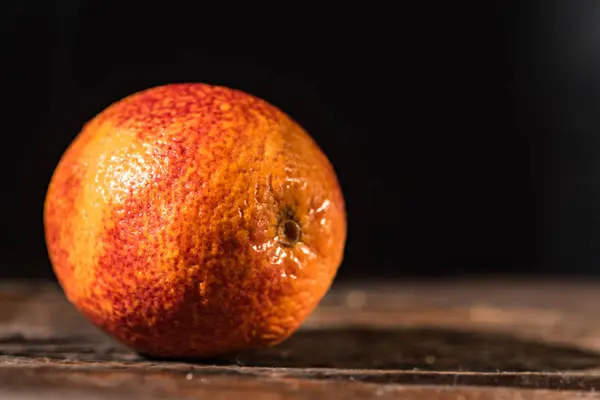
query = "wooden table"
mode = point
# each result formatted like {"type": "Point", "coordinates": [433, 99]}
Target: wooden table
{"type": "Point", "coordinates": [452, 340]}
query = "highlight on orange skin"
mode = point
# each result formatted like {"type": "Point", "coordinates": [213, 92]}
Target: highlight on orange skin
{"type": "Point", "coordinates": [190, 220]}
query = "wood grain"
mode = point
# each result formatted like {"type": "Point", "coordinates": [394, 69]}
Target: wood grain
{"type": "Point", "coordinates": [444, 340]}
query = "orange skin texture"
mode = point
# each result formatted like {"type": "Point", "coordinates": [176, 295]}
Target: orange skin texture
{"type": "Point", "coordinates": [163, 222]}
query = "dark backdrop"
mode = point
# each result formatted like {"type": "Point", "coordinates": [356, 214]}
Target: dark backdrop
{"type": "Point", "coordinates": [466, 135]}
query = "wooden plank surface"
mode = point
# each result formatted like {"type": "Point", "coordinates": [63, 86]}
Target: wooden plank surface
{"type": "Point", "coordinates": [478, 340]}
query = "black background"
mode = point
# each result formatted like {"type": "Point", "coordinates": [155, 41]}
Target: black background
{"type": "Point", "coordinates": [466, 135]}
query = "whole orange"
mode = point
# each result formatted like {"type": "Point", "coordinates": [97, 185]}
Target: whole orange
{"type": "Point", "coordinates": [191, 220]}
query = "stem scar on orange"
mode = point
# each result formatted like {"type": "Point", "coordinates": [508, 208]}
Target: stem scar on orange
{"type": "Point", "coordinates": [191, 220]}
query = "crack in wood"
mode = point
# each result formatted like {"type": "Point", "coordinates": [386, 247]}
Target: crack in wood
{"type": "Point", "coordinates": [470, 342]}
